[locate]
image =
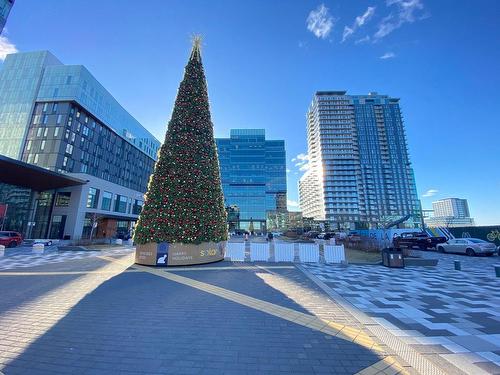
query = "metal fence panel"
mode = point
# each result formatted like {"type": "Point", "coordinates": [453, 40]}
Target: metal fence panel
{"type": "Point", "coordinates": [334, 254]}
{"type": "Point", "coordinates": [284, 252]}
{"type": "Point", "coordinates": [309, 253]}
{"type": "Point", "coordinates": [259, 252]}
{"type": "Point", "coordinates": [235, 251]}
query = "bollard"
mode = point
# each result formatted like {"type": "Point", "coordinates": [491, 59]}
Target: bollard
{"type": "Point", "coordinates": [2, 250]}
{"type": "Point", "coordinates": [38, 248]}
{"type": "Point", "coordinates": [497, 270]}
{"type": "Point", "coordinates": [458, 266]}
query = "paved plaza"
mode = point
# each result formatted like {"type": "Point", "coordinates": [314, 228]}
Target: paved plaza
{"type": "Point", "coordinates": [99, 314]}
{"type": "Point", "coordinates": [442, 313]}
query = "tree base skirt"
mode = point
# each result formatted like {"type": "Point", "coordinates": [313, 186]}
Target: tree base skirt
{"type": "Point", "coordinates": [179, 254]}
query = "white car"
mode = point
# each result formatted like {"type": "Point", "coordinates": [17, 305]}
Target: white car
{"type": "Point", "coordinates": [42, 241]}
{"type": "Point", "coordinates": [469, 246]}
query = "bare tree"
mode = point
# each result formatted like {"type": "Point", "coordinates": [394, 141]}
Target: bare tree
{"type": "Point", "coordinates": [95, 218]}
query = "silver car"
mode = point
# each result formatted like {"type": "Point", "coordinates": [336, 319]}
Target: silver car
{"type": "Point", "coordinates": [469, 246]}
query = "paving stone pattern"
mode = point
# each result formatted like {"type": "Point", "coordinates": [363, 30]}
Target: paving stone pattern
{"type": "Point", "coordinates": [59, 318]}
{"type": "Point", "coordinates": [29, 259]}
{"type": "Point", "coordinates": [436, 310]}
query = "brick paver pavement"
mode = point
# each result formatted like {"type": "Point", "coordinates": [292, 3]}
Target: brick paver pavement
{"type": "Point", "coordinates": [100, 316]}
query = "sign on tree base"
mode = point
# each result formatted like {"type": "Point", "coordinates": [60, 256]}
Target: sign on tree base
{"type": "Point", "coordinates": [179, 254]}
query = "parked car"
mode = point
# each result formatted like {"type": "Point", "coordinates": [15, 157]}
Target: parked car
{"type": "Point", "coordinates": [10, 238]}
{"type": "Point", "coordinates": [469, 246]}
{"type": "Point", "coordinates": [326, 235]}
{"type": "Point", "coordinates": [417, 239]}
{"type": "Point", "coordinates": [311, 234]}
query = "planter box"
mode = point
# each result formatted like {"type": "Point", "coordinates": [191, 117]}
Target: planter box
{"type": "Point", "coordinates": [179, 254]}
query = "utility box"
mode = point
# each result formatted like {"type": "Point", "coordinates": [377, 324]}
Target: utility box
{"type": "Point", "coordinates": [393, 258]}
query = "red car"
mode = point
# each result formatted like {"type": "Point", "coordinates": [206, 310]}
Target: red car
{"type": "Point", "coordinates": [10, 239]}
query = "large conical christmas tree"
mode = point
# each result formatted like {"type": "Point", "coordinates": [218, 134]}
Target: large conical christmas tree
{"type": "Point", "coordinates": [184, 202]}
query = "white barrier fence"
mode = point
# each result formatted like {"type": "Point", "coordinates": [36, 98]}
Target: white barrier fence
{"type": "Point", "coordinates": [285, 252]}
{"type": "Point", "coordinates": [235, 251]}
{"type": "Point", "coordinates": [334, 254]}
{"type": "Point", "coordinates": [259, 252]}
{"type": "Point", "coordinates": [309, 253]}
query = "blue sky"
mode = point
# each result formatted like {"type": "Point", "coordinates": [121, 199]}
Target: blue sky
{"type": "Point", "coordinates": [265, 59]}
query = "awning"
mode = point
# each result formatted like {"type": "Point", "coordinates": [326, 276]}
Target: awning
{"type": "Point", "coordinates": [15, 172]}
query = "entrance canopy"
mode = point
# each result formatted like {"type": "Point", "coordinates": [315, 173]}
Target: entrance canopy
{"type": "Point", "coordinates": [15, 172]}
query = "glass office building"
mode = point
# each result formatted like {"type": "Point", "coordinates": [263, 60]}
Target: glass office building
{"type": "Point", "coordinates": [253, 172]}
{"type": "Point", "coordinates": [60, 118]}
{"type": "Point", "coordinates": [360, 173]}
{"type": "Point", "coordinates": [5, 7]}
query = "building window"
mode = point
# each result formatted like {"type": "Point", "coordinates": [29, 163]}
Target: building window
{"type": "Point", "coordinates": [28, 145]}
{"type": "Point", "coordinates": [69, 149]}
{"type": "Point", "coordinates": [35, 159]}
{"type": "Point", "coordinates": [45, 106]}
{"type": "Point", "coordinates": [42, 145]}
{"type": "Point", "coordinates": [54, 107]}
{"type": "Point", "coordinates": [92, 198]}
{"type": "Point", "coordinates": [107, 197]}
{"type": "Point", "coordinates": [121, 204]}
{"type": "Point", "coordinates": [56, 131]}
{"type": "Point", "coordinates": [137, 207]}
{"type": "Point", "coordinates": [62, 199]}
{"type": "Point", "coordinates": [45, 119]}
{"type": "Point", "coordinates": [39, 132]}
{"type": "Point", "coordinates": [59, 119]}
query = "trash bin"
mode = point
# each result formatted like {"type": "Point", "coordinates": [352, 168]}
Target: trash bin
{"type": "Point", "coordinates": [393, 257]}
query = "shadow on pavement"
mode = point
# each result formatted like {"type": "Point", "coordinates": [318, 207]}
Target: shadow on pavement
{"type": "Point", "coordinates": [139, 322]}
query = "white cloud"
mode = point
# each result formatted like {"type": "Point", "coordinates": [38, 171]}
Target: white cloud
{"type": "Point", "coordinates": [291, 203]}
{"type": "Point", "coordinates": [366, 39]}
{"type": "Point", "coordinates": [6, 47]}
{"type": "Point", "coordinates": [358, 22]}
{"type": "Point", "coordinates": [288, 170]}
{"type": "Point", "coordinates": [406, 13]}
{"type": "Point", "coordinates": [430, 193]}
{"type": "Point", "coordinates": [388, 55]}
{"type": "Point", "coordinates": [301, 161]}
{"type": "Point", "coordinates": [320, 21]}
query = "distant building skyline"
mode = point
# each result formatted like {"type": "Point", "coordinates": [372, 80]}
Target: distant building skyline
{"type": "Point", "coordinates": [253, 174]}
{"type": "Point", "coordinates": [450, 212]}
{"type": "Point", "coordinates": [359, 168]}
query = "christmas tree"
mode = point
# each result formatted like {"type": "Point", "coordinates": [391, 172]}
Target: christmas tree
{"type": "Point", "coordinates": [184, 202]}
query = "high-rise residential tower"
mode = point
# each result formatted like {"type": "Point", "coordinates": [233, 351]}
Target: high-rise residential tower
{"type": "Point", "coordinates": [450, 212]}
{"type": "Point", "coordinates": [59, 118]}
{"type": "Point", "coordinates": [359, 169]}
{"type": "Point", "coordinates": [253, 172]}
{"type": "Point", "coordinates": [5, 7]}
